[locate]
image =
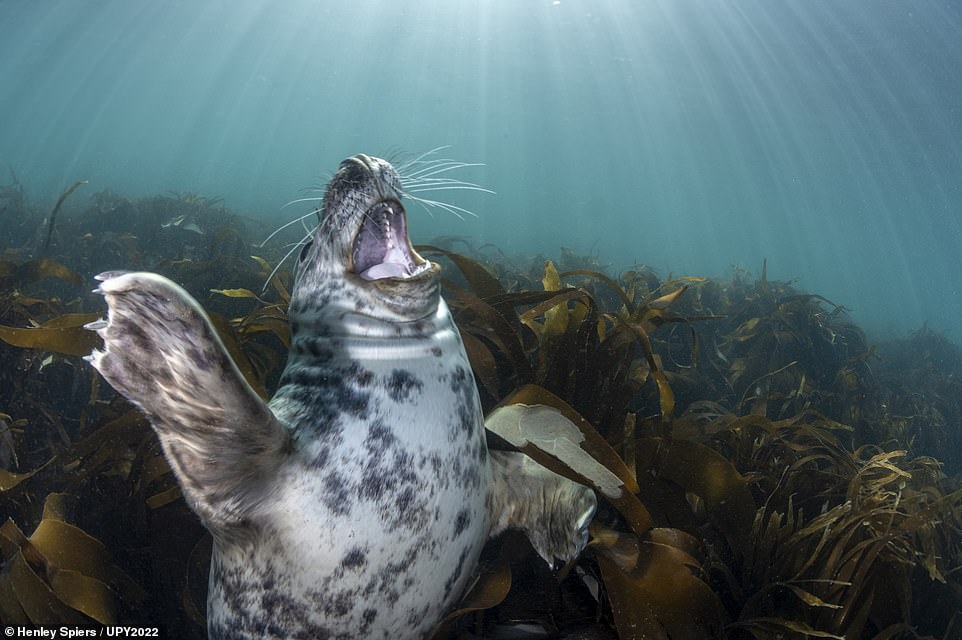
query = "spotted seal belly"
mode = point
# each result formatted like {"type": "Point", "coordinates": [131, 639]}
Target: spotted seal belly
{"type": "Point", "coordinates": [356, 502]}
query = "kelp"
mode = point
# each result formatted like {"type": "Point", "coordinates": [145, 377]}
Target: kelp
{"type": "Point", "coordinates": [762, 470]}
{"type": "Point", "coordinates": [64, 334]}
{"type": "Point", "coordinates": [551, 432]}
{"type": "Point", "coordinates": [655, 587]}
{"type": "Point", "coordinates": [838, 532]}
{"type": "Point", "coordinates": [59, 574]}
{"type": "Point", "coordinates": [651, 578]}
{"type": "Point", "coordinates": [732, 481]}
{"type": "Point", "coordinates": [21, 275]}
{"type": "Point", "coordinates": [489, 590]}
{"type": "Point", "coordinates": [56, 209]}
{"type": "Point", "coordinates": [917, 389]}
{"type": "Point", "coordinates": [582, 355]}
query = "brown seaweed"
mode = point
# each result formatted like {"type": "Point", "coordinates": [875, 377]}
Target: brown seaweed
{"type": "Point", "coordinates": [781, 477]}
{"type": "Point", "coordinates": [56, 209]}
{"type": "Point", "coordinates": [59, 574]}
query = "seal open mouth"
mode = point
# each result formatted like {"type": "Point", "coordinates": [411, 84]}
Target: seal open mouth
{"type": "Point", "coordinates": [382, 248]}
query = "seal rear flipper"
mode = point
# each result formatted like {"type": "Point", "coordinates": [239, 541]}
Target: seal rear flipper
{"type": "Point", "coordinates": [553, 512]}
{"type": "Point", "coordinates": [162, 353]}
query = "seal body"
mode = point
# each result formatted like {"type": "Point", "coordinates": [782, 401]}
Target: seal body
{"type": "Point", "coordinates": [356, 502]}
{"type": "Point", "coordinates": [380, 516]}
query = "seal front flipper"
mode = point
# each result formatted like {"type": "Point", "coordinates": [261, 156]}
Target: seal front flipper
{"type": "Point", "coordinates": [162, 353]}
{"type": "Point", "coordinates": [553, 512]}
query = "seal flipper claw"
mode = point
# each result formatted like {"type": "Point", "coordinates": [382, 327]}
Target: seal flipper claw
{"type": "Point", "coordinates": [162, 353]}
{"type": "Point", "coordinates": [553, 512]}
{"type": "Point", "coordinates": [107, 275]}
{"type": "Point", "coordinates": [96, 325]}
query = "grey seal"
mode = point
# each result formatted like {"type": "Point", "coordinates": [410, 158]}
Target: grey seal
{"type": "Point", "coordinates": [355, 503]}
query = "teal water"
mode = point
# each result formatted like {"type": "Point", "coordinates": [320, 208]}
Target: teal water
{"type": "Point", "coordinates": [690, 135]}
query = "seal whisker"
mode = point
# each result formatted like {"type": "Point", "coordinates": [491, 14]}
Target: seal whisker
{"type": "Point", "coordinates": [288, 224]}
{"type": "Point", "coordinates": [440, 181]}
{"type": "Point", "coordinates": [423, 206]}
{"type": "Point", "coordinates": [307, 229]}
{"type": "Point", "coordinates": [462, 187]}
{"type": "Point", "coordinates": [450, 208]}
{"type": "Point", "coordinates": [423, 176]}
{"type": "Point", "coordinates": [420, 159]}
{"type": "Point", "coordinates": [430, 166]}
{"type": "Point", "coordinates": [299, 200]}
{"type": "Point", "coordinates": [425, 179]}
{"type": "Point", "coordinates": [287, 255]}
{"type": "Point", "coordinates": [319, 187]}
{"type": "Point", "coordinates": [435, 169]}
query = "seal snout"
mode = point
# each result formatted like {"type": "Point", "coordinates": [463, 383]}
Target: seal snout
{"type": "Point", "coordinates": [358, 168]}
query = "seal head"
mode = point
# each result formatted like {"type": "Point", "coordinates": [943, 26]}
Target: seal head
{"type": "Point", "coordinates": [362, 244]}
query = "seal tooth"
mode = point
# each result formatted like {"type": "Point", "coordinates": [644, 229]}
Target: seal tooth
{"type": "Point", "coordinates": [96, 325]}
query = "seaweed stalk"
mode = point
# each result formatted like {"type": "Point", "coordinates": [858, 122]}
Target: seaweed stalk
{"type": "Point", "coordinates": [56, 208]}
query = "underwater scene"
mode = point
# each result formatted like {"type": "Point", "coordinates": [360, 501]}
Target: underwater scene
{"type": "Point", "coordinates": [507, 319]}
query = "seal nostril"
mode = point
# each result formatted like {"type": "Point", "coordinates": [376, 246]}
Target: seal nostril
{"type": "Point", "coordinates": [353, 171]}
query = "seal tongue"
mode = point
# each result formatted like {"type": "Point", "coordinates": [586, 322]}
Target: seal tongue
{"type": "Point", "coordinates": [381, 249]}
{"type": "Point", "coordinates": [384, 270]}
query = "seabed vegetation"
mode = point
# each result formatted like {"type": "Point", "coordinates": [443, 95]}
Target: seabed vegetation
{"type": "Point", "coordinates": [766, 472]}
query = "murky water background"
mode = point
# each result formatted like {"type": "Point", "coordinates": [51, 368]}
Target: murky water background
{"type": "Point", "coordinates": [823, 136]}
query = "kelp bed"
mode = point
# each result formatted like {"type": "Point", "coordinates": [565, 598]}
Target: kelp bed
{"type": "Point", "coordinates": [766, 472]}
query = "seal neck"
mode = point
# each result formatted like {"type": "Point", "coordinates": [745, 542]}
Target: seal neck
{"type": "Point", "coordinates": [368, 337]}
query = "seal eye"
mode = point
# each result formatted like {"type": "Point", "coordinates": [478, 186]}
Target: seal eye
{"type": "Point", "coordinates": [303, 254]}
